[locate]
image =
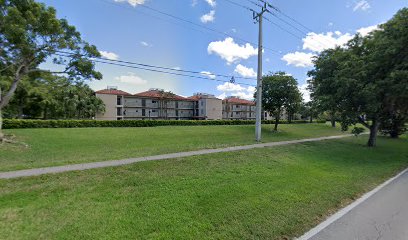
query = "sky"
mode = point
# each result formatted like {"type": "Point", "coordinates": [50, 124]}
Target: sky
{"type": "Point", "coordinates": [215, 37]}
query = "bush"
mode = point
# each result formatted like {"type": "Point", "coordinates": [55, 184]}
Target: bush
{"type": "Point", "coordinates": [17, 123]}
{"type": "Point", "coordinates": [357, 131]}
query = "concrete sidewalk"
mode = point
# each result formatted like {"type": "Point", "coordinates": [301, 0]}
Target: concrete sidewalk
{"type": "Point", "coordinates": [85, 166]}
{"type": "Point", "coordinates": [383, 214]}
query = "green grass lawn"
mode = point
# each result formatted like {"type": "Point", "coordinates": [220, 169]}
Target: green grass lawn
{"type": "Point", "coordinates": [51, 147]}
{"type": "Point", "coordinates": [270, 193]}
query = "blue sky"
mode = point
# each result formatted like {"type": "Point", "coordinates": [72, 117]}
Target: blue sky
{"type": "Point", "coordinates": [126, 30]}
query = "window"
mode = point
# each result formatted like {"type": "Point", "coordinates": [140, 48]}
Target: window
{"type": "Point", "coordinates": [119, 101]}
{"type": "Point", "coordinates": [143, 112]}
{"type": "Point", "coordinates": [202, 103]}
{"type": "Point", "coordinates": [119, 111]}
{"type": "Point", "coordinates": [153, 101]}
{"type": "Point", "coordinates": [153, 111]}
{"type": "Point", "coordinates": [143, 102]}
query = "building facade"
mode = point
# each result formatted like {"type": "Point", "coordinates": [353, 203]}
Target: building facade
{"type": "Point", "coordinates": [158, 104]}
{"type": "Point", "coordinates": [234, 108]}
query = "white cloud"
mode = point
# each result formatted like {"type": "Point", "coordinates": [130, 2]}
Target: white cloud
{"type": "Point", "coordinates": [230, 87]}
{"type": "Point", "coordinates": [131, 78]}
{"type": "Point", "coordinates": [299, 59]}
{"type": "Point", "coordinates": [233, 30]}
{"type": "Point", "coordinates": [361, 5]}
{"type": "Point", "coordinates": [305, 92]}
{"type": "Point", "coordinates": [366, 30]}
{"type": "Point", "coordinates": [194, 3]}
{"type": "Point", "coordinates": [245, 71]}
{"type": "Point", "coordinates": [208, 74]}
{"type": "Point", "coordinates": [134, 3]}
{"type": "Point", "coordinates": [109, 55]}
{"type": "Point", "coordinates": [145, 44]}
{"type": "Point", "coordinates": [209, 17]}
{"type": "Point", "coordinates": [222, 96]}
{"type": "Point", "coordinates": [230, 51]}
{"type": "Point", "coordinates": [330, 24]}
{"type": "Point", "coordinates": [318, 42]}
{"type": "Point", "coordinates": [212, 3]}
{"type": "Point", "coordinates": [177, 68]}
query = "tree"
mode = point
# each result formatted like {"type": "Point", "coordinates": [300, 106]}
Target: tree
{"type": "Point", "coordinates": [279, 92]}
{"type": "Point", "coordinates": [31, 34]}
{"type": "Point", "coordinates": [309, 110]}
{"type": "Point", "coordinates": [366, 82]}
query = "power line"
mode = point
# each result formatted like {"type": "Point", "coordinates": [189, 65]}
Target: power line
{"type": "Point", "coordinates": [199, 25]}
{"type": "Point", "coordinates": [155, 70]}
{"type": "Point", "coordinates": [240, 5]}
{"type": "Point", "coordinates": [250, 9]}
{"type": "Point", "coordinates": [283, 29]}
{"type": "Point", "coordinates": [286, 15]}
{"type": "Point", "coordinates": [161, 67]}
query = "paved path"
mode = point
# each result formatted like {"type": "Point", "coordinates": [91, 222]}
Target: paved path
{"type": "Point", "coordinates": [85, 166]}
{"type": "Point", "coordinates": [381, 214]}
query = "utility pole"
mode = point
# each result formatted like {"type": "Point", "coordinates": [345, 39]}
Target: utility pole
{"type": "Point", "coordinates": [258, 17]}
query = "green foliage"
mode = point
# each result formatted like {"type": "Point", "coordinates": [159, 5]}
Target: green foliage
{"type": "Point", "coordinates": [366, 82]}
{"type": "Point", "coordinates": [394, 126]}
{"type": "Point", "coordinates": [17, 123]}
{"type": "Point", "coordinates": [279, 92]}
{"type": "Point", "coordinates": [52, 97]}
{"type": "Point", "coordinates": [31, 33]}
{"type": "Point", "coordinates": [357, 131]}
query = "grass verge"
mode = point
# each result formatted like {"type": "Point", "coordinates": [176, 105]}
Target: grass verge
{"type": "Point", "coordinates": [53, 147]}
{"type": "Point", "coordinates": [271, 193]}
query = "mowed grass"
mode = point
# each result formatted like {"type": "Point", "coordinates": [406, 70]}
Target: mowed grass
{"type": "Point", "coordinates": [51, 147]}
{"type": "Point", "coordinates": [270, 193]}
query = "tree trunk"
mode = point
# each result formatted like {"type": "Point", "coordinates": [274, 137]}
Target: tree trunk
{"type": "Point", "coordinates": [372, 141]}
{"type": "Point", "coordinates": [333, 122]}
{"type": "Point", "coordinates": [1, 122]}
{"type": "Point", "coordinates": [276, 123]}
{"type": "Point", "coordinates": [20, 111]}
{"type": "Point", "coordinates": [311, 119]}
{"type": "Point", "coordinates": [1, 126]}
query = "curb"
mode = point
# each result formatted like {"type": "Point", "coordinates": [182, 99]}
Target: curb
{"type": "Point", "coordinates": [312, 232]}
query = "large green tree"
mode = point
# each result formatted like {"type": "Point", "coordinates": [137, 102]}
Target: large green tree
{"type": "Point", "coordinates": [31, 34]}
{"type": "Point", "coordinates": [53, 97]}
{"type": "Point", "coordinates": [366, 81]}
{"type": "Point", "coordinates": [280, 93]}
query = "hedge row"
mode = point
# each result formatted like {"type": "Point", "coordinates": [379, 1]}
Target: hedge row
{"type": "Point", "coordinates": [17, 123]}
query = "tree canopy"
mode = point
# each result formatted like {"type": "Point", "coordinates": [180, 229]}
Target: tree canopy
{"type": "Point", "coordinates": [31, 34]}
{"type": "Point", "coordinates": [367, 80]}
{"type": "Point", "coordinates": [280, 93]}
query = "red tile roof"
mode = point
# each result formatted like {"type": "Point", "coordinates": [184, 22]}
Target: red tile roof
{"type": "Point", "coordinates": [160, 94]}
{"type": "Point", "coordinates": [236, 100]}
{"type": "Point", "coordinates": [113, 92]}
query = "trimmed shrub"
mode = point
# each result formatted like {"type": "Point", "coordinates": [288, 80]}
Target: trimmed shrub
{"type": "Point", "coordinates": [357, 131]}
{"type": "Point", "coordinates": [18, 123]}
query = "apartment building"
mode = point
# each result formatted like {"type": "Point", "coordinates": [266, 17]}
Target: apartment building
{"type": "Point", "coordinates": [235, 108]}
{"type": "Point", "coordinates": [208, 107]}
{"type": "Point", "coordinates": [157, 104]}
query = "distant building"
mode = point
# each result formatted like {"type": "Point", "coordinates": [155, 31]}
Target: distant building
{"type": "Point", "coordinates": [158, 104]}
{"type": "Point", "coordinates": [235, 108]}
{"type": "Point", "coordinates": [208, 107]}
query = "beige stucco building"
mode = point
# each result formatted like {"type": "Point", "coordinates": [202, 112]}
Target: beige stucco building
{"type": "Point", "coordinates": [158, 104]}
